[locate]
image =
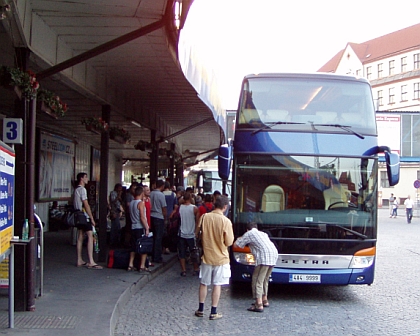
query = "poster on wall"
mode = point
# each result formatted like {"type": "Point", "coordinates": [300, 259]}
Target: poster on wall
{"type": "Point", "coordinates": [56, 167]}
{"type": "Point", "coordinates": [389, 130]}
{"type": "Point", "coordinates": [7, 185]}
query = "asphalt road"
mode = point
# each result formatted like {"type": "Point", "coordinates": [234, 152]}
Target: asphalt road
{"type": "Point", "coordinates": [390, 306]}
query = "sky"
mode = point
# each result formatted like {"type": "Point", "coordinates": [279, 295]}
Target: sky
{"type": "Point", "coordinates": [233, 38]}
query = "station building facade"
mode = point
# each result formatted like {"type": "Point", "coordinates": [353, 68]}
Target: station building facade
{"type": "Point", "coordinates": [391, 63]}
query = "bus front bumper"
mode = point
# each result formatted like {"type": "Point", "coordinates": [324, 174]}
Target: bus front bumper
{"type": "Point", "coordinates": [348, 276]}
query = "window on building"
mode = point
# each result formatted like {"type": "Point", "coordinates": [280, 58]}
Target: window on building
{"type": "Point", "coordinates": [380, 70]}
{"type": "Point", "coordinates": [404, 64]}
{"type": "Point", "coordinates": [391, 67]}
{"type": "Point", "coordinates": [417, 61]}
{"type": "Point", "coordinates": [380, 98]}
{"type": "Point", "coordinates": [358, 73]}
{"type": "Point", "coordinates": [384, 179]}
{"type": "Point", "coordinates": [418, 174]}
{"type": "Point", "coordinates": [369, 72]}
{"type": "Point", "coordinates": [403, 92]}
{"type": "Point", "coordinates": [391, 96]}
{"type": "Point", "coordinates": [410, 135]}
{"type": "Point", "coordinates": [416, 94]}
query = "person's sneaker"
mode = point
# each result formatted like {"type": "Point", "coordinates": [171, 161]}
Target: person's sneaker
{"type": "Point", "coordinates": [199, 313]}
{"type": "Point", "coordinates": [215, 316]}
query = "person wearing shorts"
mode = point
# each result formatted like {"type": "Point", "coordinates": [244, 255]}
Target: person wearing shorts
{"type": "Point", "coordinates": [216, 236]}
{"type": "Point", "coordinates": [189, 218]}
{"type": "Point", "coordinates": [80, 203]}
{"type": "Point", "coordinates": [139, 226]}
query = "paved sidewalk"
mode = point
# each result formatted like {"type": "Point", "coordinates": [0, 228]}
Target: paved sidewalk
{"type": "Point", "coordinates": [76, 301]}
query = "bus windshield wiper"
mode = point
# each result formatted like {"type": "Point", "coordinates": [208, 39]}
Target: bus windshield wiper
{"type": "Point", "coordinates": [358, 234]}
{"type": "Point", "coordinates": [271, 124]}
{"type": "Point", "coordinates": [343, 127]}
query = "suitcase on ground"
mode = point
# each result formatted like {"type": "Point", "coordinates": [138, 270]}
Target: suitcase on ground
{"type": "Point", "coordinates": [118, 258]}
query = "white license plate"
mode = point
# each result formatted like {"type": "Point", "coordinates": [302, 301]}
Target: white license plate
{"type": "Point", "coordinates": [305, 278]}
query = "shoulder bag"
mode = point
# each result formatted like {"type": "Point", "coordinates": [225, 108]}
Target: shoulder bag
{"type": "Point", "coordinates": [75, 218]}
{"type": "Point", "coordinates": [144, 245]}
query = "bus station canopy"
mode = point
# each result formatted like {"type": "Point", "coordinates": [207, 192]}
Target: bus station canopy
{"type": "Point", "coordinates": [122, 54]}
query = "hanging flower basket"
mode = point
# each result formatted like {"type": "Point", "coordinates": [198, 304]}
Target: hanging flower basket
{"type": "Point", "coordinates": [95, 125]}
{"type": "Point", "coordinates": [43, 107]}
{"type": "Point", "coordinates": [52, 104]}
{"type": "Point", "coordinates": [23, 82]}
{"type": "Point", "coordinates": [119, 135]}
{"type": "Point", "coordinates": [119, 139]}
{"type": "Point", "coordinates": [93, 129]}
{"type": "Point", "coordinates": [18, 92]}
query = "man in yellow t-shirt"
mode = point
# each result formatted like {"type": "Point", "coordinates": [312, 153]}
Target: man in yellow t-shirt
{"type": "Point", "coordinates": [216, 236]}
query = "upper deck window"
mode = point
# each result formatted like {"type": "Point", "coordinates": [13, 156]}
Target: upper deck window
{"type": "Point", "coordinates": [307, 102]}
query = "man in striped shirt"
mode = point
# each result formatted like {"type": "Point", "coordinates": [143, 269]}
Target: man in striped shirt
{"type": "Point", "coordinates": [265, 255]}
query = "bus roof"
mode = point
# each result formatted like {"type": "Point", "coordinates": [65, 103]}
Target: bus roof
{"type": "Point", "coordinates": [317, 75]}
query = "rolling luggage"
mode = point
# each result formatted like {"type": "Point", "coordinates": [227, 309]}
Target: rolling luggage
{"type": "Point", "coordinates": [118, 258]}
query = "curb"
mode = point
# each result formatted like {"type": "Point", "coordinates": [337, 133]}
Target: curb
{"type": "Point", "coordinates": [134, 289]}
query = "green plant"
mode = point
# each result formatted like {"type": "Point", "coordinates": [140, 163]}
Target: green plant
{"type": "Point", "coordinates": [97, 123]}
{"type": "Point", "coordinates": [119, 132]}
{"type": "Point", "coordinates": [24, 80]}
{"type": "Point", "coordinates": [53, 102]}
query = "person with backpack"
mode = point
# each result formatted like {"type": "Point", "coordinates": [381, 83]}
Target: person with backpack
{"type": "Point", "coordinates": [189, 220]}
{"type": "Point", "coordinates": [207, 206]}
{"type": "Point", "coordinates": [139, 228]}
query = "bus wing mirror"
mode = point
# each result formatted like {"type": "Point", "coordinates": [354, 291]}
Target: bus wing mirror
{"type": "Point", "coordinates": [392, 163]}
{"type": "Point", "coordinates": [392, 168]}
{"type": "Point", "coordinates": [224, 161]}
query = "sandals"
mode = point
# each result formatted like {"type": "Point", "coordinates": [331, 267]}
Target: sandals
{"type": "Point", "coordinates": [183, 274]}
{"type": "Point", "coordinates": [196, 273]}
{"type": "Point", "coordinates": [199, 313]}
{"type": "Point", "coordinates": [256, 308]}
{"type": "Point", "coordinates": [131, 268]}
{"type": "Point", "coordinates": [96, 266]}
{"type": "Point", "coordinates": [85, 264]}
{"type": "Point", "coordinates": [144, 270]}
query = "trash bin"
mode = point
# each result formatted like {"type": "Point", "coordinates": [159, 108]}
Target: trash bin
{"type": "Point", "coordinates": [20, 275]}
{"type": "Point", "coordinates": [39, 256]}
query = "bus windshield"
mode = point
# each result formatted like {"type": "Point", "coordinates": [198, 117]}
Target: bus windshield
{"type": "Point", "coordinates": [323, 105]}
{"type": "Point", "coordinates": [307, 196]}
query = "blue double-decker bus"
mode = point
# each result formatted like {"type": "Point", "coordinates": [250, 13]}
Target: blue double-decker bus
{"type": "Point", "coordinates": [304, 165]}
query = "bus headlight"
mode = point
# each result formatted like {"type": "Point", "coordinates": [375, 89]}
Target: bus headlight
{"type": "Point", "coordinates": [244, 258]}
{"type": "Point", "coordinates": [362, 262]}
